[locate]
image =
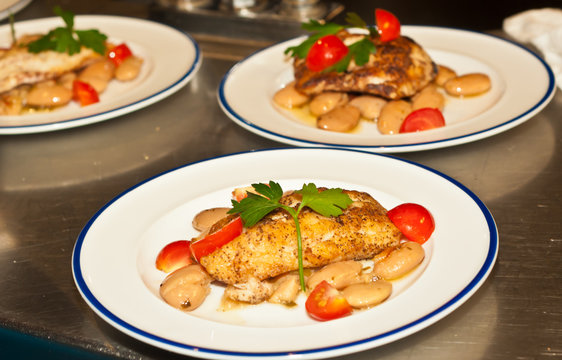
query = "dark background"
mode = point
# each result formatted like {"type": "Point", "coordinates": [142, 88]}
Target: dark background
{"type": "Point", "coordinates": [475, 14]}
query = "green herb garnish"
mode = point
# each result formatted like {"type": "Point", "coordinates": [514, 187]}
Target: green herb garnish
{"type": "Point", "coordinates": [359, 51]}
{"type": "Point", "coordinates": [254, 207]}
{"type": "Point", "coordinates": [67, 39]}
{"type": "Point", "coordinates": [12, 29]}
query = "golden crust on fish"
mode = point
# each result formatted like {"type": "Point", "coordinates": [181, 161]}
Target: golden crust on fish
{"type": "Point", "coordinates": [269, 248]}
{"type": "Point", "coordinates": [18, 66]}
{"type": "Point", "coordinates": [398, 69]}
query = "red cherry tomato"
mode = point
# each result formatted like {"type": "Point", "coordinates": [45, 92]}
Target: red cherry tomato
{"type": "Point", "coordinates": [422, 119]}
{"type": "Point", "coordinates": [84, 93]}
{"type": "Point", "coordinates": [413, 220]}
{"type": "Point", "coordinates": [217, 239]}
{"type": "Point", "coordinates": [119, 53]}
{"type": "Point", "coordinates": [325, 52]}
{"type": "Point", "coordinates": [325, 302]}
{"type": "Point", "coordinates": [388, 25]}
{"type": "Point", "coordinates": [173, 256]}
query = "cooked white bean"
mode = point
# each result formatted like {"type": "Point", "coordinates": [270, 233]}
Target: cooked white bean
{"type": "Point", "coordinates": [428, 97]}
{"type": "Point", "coordinates": [400, 261]}
{"type": "Point", "coordinates": [392, 115]}
{"type": "Point", "coordinates": [444, 74]}
{"type": "Point", "coordinates": [288, 97]}
{"type": "Point", "coordinates": [469, 84]}
{"type": "Point", "coordinates": [287, 289]}
{"type": "Point", "coordinates": [327, 101]}
{"type": "Point", "coordinates": [339, 275]}
{"type": "Point", "coordinates": [129, 69]}
{"type": "Point", "coordinates": [98, 74]}
{"type": "Point", "coordinates": [49, 96]}
{"type": "Point", "coordinates": [67, 80]}
{"type": "Point", "coordinates": [207, 218]}
{"type": "Point", "coordinates": [186, 288]}
{"type": "Point", "coordinates": [367, 294]}
{"type": "Point", "coordinates": [340, 119]}
{"type": "Point", "coordinates": [369, 106]}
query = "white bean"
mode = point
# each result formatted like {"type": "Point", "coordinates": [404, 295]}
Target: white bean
{"type": "Point", "coordinates": [186, 288]}
{"type": "Point", "coordinates": [339, 275]}
{"type": "Point", "coordinates": [288, 97]}
{"type": "Point", "coordinates": [287, 289]}
{"type": "Point", "coordinates": [402, 259]}
{"type": "Point", "coordinates": [48, 96]}
{"type": "Point", "coordinates": [207, 218]}
{"type": "Point", "coordinates": [367, 294]}
{"type": "Point", "coordinates": [340, 119]}
{"type": "Point", "coordinates": [325, 102]}
{"type": "Point", "coordinates": [467, 85]}
{"type": "Point", "coordinates": [129, 69]}
{"type": "Point", "coordinates": [428, 97]}
{"type": "Point", "coordinates": [67, 80]}
{"type": "Point", "coordinates": [392, 115]}
{"type": "Point", "coordinates": [369, 106]}
{"type": "Point", "coordinates": [98, 74]}
{"type": "Point", "coordinates": [444, 74]}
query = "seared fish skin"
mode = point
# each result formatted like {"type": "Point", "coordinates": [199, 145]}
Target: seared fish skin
{"type": "Point", "coordinates": [269, 248]}
{"type": "Point", "coordinates": [398, 69]}
{"type": "Point", "coordinates": [18, 66]}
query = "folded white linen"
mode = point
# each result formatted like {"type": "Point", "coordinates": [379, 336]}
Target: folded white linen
{"type": "Point", "coordinates": [543, 29]}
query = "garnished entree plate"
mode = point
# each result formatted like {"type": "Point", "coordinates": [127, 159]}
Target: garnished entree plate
{"type": "Point", "coordinates": [161, 74]}
{"type": "Point", "coordinates": [114, 256]}
{"type": "Point", "coordinates": [246, 92]}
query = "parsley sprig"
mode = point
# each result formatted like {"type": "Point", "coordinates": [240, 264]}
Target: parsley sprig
{"type": "Point", "coordinates": [359, 51]}
{"type": "Point", "coordinates": [329, 202]}
{"type": "Point", "coordinates": [67, 39]}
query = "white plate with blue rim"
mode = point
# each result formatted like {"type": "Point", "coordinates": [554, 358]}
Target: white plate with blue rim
{"type": "Point", "coordinates": [161, 74]}
{"type": "Point", "coordinates": [113, 260]}
{"type": "Point", "coordinates": [246, 92]}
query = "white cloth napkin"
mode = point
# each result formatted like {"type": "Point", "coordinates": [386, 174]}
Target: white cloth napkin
{"type": "Point", "coordinates": [543, 29]}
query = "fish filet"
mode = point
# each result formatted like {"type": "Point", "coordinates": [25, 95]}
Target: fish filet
{"type": "Point", "coordinates": [18, 66]}
{"type": "Point", "coordinates": [269, 248]}
{"type": "Point", "coordinates": [399, 68]}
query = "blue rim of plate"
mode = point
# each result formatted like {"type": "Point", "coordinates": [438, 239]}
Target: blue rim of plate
{"type": "Point", "coordinates": [548, 95]}
{"type": "Point", "coordinates": [148, 100]}
{"type": "Point", "coordinates": [435, 315]}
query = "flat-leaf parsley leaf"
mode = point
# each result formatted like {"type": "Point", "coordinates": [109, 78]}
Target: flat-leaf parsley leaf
{"type": "Point", "coordinates": [66, 39]}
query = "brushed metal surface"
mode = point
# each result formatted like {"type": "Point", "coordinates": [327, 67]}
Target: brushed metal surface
{"type": "Point", "coordinates": [52, 183]}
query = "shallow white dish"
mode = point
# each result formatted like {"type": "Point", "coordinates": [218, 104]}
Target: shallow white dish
{"type": "Point", "coordinates": [163, 72]}
{"type": "Point", "coordinates": [8, 7]}
{"type": "Point", "coordinates": [246, 91]}
{"type": "Point", "coordinates": [113, 259]}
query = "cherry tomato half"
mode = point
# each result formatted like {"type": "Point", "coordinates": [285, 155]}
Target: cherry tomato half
{"type": "Point", "coordinates": [413, 220]}
{"type": "Point", "coordinates": [173, 256]}
{"type": "Point", "coordinates": [119, 53]}
{"type": "Point", "coordinates": [422, 119]}
{"type": "Point", "coordinates": [325, 52]}
{"type": "Point", "coordinates": [388, 25]}
{"type": "Point", "coordinates": [84, 93]}
{"type": "Point", "coordinates": [325, 302]}
{"type": "Point", "coordinates": [217, 239]}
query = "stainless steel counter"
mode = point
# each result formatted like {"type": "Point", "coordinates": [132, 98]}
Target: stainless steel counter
{"type": "Point", "coordinates": [52, 183]}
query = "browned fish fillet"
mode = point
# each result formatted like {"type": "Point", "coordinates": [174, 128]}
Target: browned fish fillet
{"type": "Point", "coordinates": [399, 68]}
{"type": "Point", "coordinates": [18, 66]}
{"type": "Point", "coordinates": [269, 248]}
